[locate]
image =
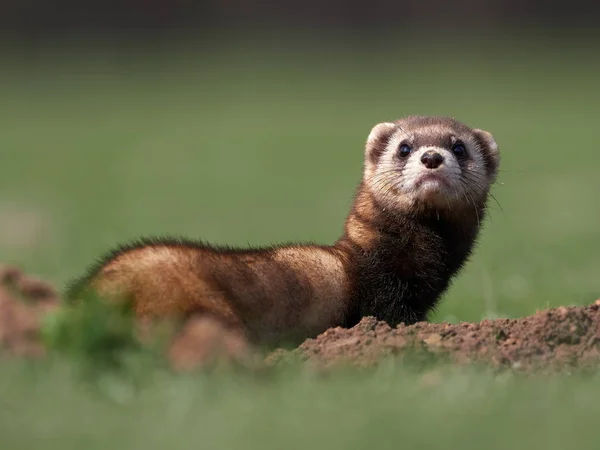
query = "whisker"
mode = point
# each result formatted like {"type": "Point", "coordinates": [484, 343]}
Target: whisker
{"type": "Point", "coordinates": [497, 202]}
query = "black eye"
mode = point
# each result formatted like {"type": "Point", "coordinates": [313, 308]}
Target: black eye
{"type": "Point", "coordinates": [404, 150]}
{"type": "Point", "coordinates": [459, 149]}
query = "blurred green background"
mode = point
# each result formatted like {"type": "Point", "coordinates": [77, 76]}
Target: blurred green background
{"type": "Point", "coordinates": [244, 124]}
{"type": "Point", "coordinates": [252, 141]}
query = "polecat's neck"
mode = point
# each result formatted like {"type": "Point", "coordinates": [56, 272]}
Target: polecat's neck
{"type": "Point", "coordinates": [399, 264]}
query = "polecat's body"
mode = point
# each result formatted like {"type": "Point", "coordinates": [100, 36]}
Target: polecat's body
{"type": "Point", "coordinates": [414, 222]}
{"type": "Point", "coordinates": [275, 294]}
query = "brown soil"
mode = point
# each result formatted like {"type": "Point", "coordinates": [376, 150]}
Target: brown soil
{"type": "Point", "coordinates": [23, 302]}
{"type": "Point", "coordinates": [556, 339]}
{"type": "Point", "coordinates": [204, 341]}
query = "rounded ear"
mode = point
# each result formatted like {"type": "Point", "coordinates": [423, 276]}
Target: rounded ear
{"type": "Point", "coordinates": [377, 140]}
{"type": "Point", "coordinates": [490, 151]}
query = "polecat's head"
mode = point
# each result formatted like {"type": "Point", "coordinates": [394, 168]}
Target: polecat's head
{"type": "Point", "coordinates": [433, 162]}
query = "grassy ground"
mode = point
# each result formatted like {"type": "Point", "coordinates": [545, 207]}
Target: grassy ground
{"type": "Point", "coordinates": [391, 408]}
{"type": "Point", "coordinates": [242, 146]}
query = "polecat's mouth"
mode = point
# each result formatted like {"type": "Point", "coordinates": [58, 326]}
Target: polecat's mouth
{"type": "Point", "coordinates": [431, 178]}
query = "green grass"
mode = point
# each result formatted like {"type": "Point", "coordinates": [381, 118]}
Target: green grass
{"type": "Point", "coordinates": [245, 146]}
{"type": "Point", "coordinates": [390, 408]}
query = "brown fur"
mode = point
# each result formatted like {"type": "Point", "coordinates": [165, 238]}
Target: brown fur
{"type": "Point", "coordinates": [393, 261]}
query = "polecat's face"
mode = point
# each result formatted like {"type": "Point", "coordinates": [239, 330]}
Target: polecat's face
{"type": "Point", "coordinates": [429, 161]}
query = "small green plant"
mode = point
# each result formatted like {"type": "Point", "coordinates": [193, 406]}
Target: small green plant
{"type": "Point", "coordinates": [96, 334]}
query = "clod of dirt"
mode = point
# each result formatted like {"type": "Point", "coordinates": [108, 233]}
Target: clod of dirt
{"type": "Point", "coordinates": [23, 303]}
{"type": "Point", "coordinates": [204, 342]}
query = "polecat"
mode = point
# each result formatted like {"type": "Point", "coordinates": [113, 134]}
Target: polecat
{"type": "Point", "coordinates": [416, 216]}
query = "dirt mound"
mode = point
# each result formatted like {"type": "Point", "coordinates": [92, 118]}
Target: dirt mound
{"type": "Point", "coordinates": [556, 339]}
{"type": "Point", "coordinates": [204, 341]}
{"type": "Point", "coordinates": [23, 303]}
